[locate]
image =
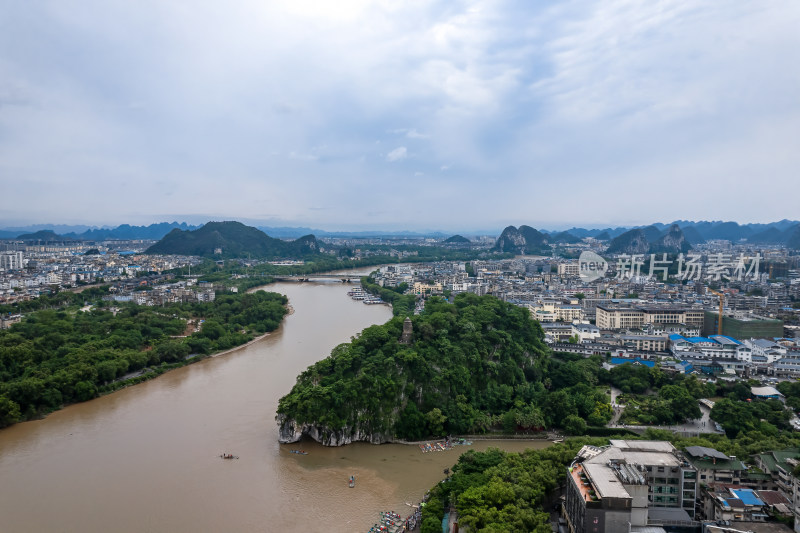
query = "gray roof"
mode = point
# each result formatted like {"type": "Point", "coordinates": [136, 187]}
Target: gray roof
{"type": "Point", "coordinates": [668, 513]}
{"type": "Point", "coordinates": [764, 343]}
{"type": "Point", "coordinates": [702, 451]}
{"type": "Point", "coordinates": [765, 391]}
{"type": "Point", "coordinates": [643, 445]}
{"type": "Point", "coordinates": [605, 481]}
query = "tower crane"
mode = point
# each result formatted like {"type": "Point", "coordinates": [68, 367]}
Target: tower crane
{"type": "Point", "coordinates": [721, 303]}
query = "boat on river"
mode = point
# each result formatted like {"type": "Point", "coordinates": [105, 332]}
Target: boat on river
{"type": "Point", "coordinates": [352, 481]}
{"type": "Point", "coordinates": [229, 456]}
{"type": "Point", "coordinates": [299, 452]}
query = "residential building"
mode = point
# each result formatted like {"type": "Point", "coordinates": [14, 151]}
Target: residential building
{"type": "Point", "coordinates": [568, 270]}
{"type": "Point", "coordinates": [780, 464]}
{"type": "Point", "coordinates": [714, 466]}
{"type": "Point", "coordinates": [645, 343]}
{"type": "Point", "coordinates": [734, 503]}
{"type": "Point", "coordinates": [585, 332]}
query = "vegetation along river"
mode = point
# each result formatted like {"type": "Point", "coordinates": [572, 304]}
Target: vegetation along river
{"type": "Point", "coordinates": [147, 458]}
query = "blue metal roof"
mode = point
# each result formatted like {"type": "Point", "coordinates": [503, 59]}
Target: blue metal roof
{"type": "Point", "coordinates": [747, 496]}
{"type": "Point", "coordinates": [623, 360]}
{"type": "Point", "coordinates": [701, 339]}
{"type": "Point", "coordinates": [675, 337]}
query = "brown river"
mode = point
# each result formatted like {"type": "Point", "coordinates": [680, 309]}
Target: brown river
{"type": "Point", "coordinates": [146, 458]}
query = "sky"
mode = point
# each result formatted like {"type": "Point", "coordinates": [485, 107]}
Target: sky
{"type": "Point", "coordinates": [413, 115]}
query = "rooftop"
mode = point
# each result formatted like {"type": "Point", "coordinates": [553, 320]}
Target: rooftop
{"type": "Point", "coordinates": [702, 451]}
{"type": "Point", "coordinates": [647, 453]}
{"type": "Point", "coordinates": [765, 391]}
{"type": "Point", "coordinates": [605, 481]}
{"type": "Point", "coordinates": [747, 496]}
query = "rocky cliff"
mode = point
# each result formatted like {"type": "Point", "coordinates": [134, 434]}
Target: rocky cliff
{"type": "Point", "coordinates": [290, 431]}
{"type": "Point", "coordinates": [636, 241]}
{"type": "Point", "coordinates": [525, 240]}
{"type": "Point", "coordinates": [631, 242]}
{"type": "Point", "coordinates": [672, 242]}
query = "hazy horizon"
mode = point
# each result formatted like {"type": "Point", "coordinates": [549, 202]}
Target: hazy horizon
{"type": "Point", "coordinates": [78, 228]}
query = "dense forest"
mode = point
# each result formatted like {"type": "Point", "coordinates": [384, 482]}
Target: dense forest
{"type": "Point", "coordinates": [470, 359]}
{"type": "Point", "coordinates": [60, 356]}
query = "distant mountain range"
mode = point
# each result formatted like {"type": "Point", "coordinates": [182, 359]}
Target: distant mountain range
{"type": "Point", "coordinates": [650, 240]}
{"type": "Point", "coordinates": [81, 233]}
{"type": "Point", "coordinates": [785, 232]}
{"type": "Point", "coordinates": [44, 235]}
{"type": "Point", "coordinates": [232, 239]}
{"type": "Point", "coordinates": [698, 232]}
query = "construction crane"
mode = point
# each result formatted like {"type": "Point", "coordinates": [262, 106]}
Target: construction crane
{"type": "Point", "coordinates": [721, 303]}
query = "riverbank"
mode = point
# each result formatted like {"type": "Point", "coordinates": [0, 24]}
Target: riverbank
{"type": "Point", "coordinates": [289, 311]}
{"type": "Point", "coordinates": [190, 359]}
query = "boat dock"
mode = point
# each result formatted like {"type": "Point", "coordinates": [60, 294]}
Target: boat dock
{"type": "Point", "coordinates": [358, 293]}
{"type": "Point", "coordinates": [391, 522]}
{"type": "Point", "coordinates": [442, 446]}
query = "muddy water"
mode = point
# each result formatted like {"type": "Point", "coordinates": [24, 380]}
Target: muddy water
{"type": "Point", "coordinates": [147, 458]}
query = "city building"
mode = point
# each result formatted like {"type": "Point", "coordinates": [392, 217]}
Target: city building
{"type": "Point", "coordinates": [613, 317]}
{"type": "Point", "coordinates": [629, 486]}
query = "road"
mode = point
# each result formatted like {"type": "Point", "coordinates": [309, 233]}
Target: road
{"type": "Point", "coordinates": [693, 427]}
{"type": "Point", "coordinates": [616, 408]}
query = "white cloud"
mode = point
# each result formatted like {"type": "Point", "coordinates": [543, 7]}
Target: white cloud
{"type": "Point", "coordinates": [607, 97]}
{"type": "Point", "coordinates": [410, 133]}
{"type": "Point", "coordinates": [397, 154]}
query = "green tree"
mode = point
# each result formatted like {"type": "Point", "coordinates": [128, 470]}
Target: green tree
{"type": "Point", "coordinates": [85, 391]}
{"type": "Point", "coordinates": [575, 425]}
{"type": "Point", "coordinates": [9, 411]}
{"type": "Point", "coordinates": [436, 421]}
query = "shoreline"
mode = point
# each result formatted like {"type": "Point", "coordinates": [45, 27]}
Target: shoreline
{"type": "Point", "coordinates": [289, 312]}
{"type": "Point", "coordinates": [153, 375]}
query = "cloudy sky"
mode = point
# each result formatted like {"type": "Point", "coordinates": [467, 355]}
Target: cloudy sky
{"type": "Point", "coordinates": [399, 115]}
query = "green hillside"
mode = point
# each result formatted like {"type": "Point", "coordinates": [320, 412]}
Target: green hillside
{"type": "Point", "coordinates": [232, 239]}
{"type": "Point", "coordinates": [469, 361]}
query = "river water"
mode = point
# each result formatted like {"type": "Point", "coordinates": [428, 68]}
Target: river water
{"type": "Point", "coordinates": [147, 458]}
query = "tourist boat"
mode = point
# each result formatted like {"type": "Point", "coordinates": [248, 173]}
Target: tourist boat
{"type": "Point", "coordinates": [229, 456]}
{"type": "Point", "coordinates": [299, 452]}
{"type": "Point", "coordinates": [352, 481]}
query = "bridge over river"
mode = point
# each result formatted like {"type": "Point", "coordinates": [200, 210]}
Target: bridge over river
{"type": "Point", "coordinates": [343, 278]}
